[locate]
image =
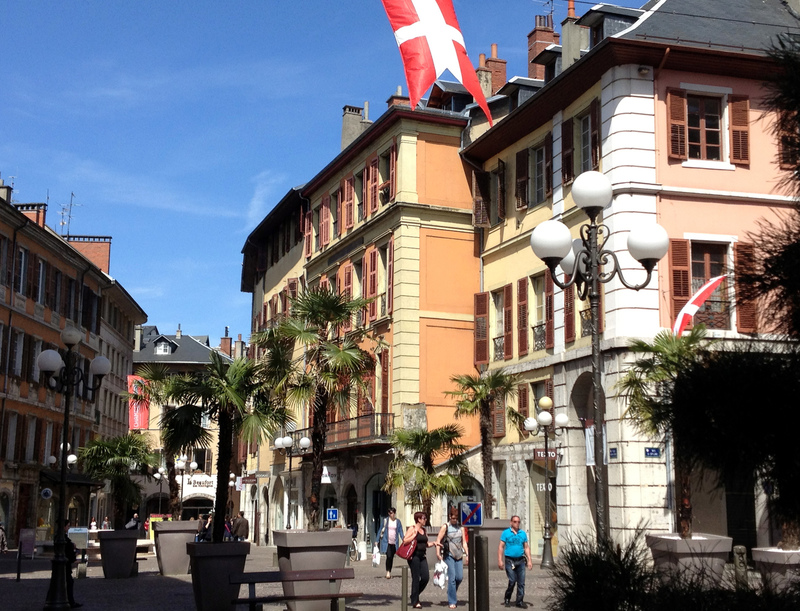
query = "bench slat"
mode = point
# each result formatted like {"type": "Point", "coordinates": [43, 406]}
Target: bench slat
{"type": "Point", "coordinates": [280, 597]}
{"type": "Point", "coordinates": [278, 576]}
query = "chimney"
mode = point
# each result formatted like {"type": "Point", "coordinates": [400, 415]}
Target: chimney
{"type": "Point", "coordinates": [225, 343]}
{"type": "Point", "coordinates": [178, 333]}
{"type": "Point", "coordinates": [35, 212]}
{"type": "Point", "coordinates": [352, 124]}
{"type": "Point", "coordinates": [398, 99]}
{"type": "Point", "coordinates": [575, 38]}
{"type": "Point", "coordinates": [137, 338]}
{"type": "Point", "coordinates": [239, 349]}
{"type": "Point", "coordinates": [95, 248]}
{"type": "Point", "coordinates": [5, 192]}
{"type": "Point", "coordinates": [539, 39]}
{"type": "Point", "coordinates": [498, 70]}
{"type": "Point", "coordinates": [484, 76]}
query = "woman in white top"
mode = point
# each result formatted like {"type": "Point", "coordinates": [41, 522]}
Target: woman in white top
{"type": "Point", "coordinates": [389, 539]}
{"type": "Point", "coordinates": [453, 538]}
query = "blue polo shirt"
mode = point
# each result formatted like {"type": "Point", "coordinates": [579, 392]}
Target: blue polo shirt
{"type": "Point", "coordinates": [515, 543]}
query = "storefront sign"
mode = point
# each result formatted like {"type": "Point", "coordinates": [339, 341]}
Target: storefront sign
{"type": "Point", "coordinates": [539, 454]}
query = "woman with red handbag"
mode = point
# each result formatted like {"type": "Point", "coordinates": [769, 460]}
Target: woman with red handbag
{"type": "Point", "coordinates": [418, 562]}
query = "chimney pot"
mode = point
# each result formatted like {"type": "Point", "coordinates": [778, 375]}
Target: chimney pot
{"type": "Point", "coordinates": [494, 50]}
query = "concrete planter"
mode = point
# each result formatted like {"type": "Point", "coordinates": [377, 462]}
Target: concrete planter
{"type": "Point", "coordinates": [171, 539]}
{"type": "Point", "coordinates": [779, 568]}
{"type": "Point", "coordinates": [492, 529]}
{"type": "Point", "coordinates": [118, 553]}
{"type": "Point", "coordinates": [212, 565]}
{"type": "Point", "coordinates": [302, 550]}
{"type": "Point", "coordinates": [702, 555]}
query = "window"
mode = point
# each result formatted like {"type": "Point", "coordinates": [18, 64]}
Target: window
{"type": "Point", "coordinates": [334, 212]}
{"type": "Point", "coordinates": [497, 328]}
{"type": "Point", "coordinates": [37, 350]}
{"type": "Point", "coordinates": [537, 310]}
{"type": "Point", "coordinates": [163, 348]}
{"type": "Point", "coordinates": [538, 175]}
{"type": "Point", "coordinates": [42, 284]}
{"type": "Point", "coordinates": [30, 441]}
{"type": "Point", "coordinates": [588, 141]}
{"type": "Point", "coordinates": [11, 435]}
{"type": "Point", "coordinates": [17, 348]}
{"type": "Point", "coordinates": [360, 190]}
{"type": "Point", "coordinates": [704, 118]}
{"type": "Point", "coordinates": [497, 197]}
{"type": "Point", "coordinates": [585, 125]}
{"type": "Point", "coordinates": [709, 261]}
{"type": "Point", "coordinates": [21, 273]}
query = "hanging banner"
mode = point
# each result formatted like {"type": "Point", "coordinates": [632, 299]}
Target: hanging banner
{"type": "Point", "coordinates": [138, 404]}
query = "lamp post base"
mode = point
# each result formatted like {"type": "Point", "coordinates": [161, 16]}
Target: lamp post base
{"type": "Point", "coordinates": [547, 552]}
{"type": "Point", "coordinates": [57, 597]}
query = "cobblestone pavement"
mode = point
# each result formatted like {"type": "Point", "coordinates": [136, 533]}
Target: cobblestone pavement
{"type": "Point", "coordinates": [175, 593]}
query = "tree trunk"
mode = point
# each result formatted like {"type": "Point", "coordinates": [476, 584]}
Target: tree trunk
{"type": "Point", "coordinates": [224, 455]}
{"type": "Point", "coordinates": [487, 457]}
{"type": "Point", "coordinates": [685, 507]}
{"type": "Point", "coordinates": [319, 434]}
{"type": "Point", "coordinates": [790, 536]}
{"type": "Point", "coordinates": [174, 504]}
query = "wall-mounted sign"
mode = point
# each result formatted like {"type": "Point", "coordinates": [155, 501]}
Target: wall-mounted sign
{"type": "Point", "coordinates": [612, 453]}
{"type": "Point", "coordinates": [539, 454]}
{"type": "Point", "coordinates": [652, 452]}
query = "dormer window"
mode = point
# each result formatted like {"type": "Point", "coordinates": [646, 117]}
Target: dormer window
{"type": "Point", "coordinates": [163, 348]}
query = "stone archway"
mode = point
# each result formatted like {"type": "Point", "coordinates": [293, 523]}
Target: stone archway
{"type": "Point", "coordinates": [278, 515]}
{"type": "Point", "coordinates": [376, 506]}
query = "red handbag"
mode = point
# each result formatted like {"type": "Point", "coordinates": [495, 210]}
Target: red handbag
{"type": "Point", "coordinates": [406, 550]}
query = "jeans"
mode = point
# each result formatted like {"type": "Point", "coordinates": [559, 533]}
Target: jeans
{"type": "Point", "coordinates": [455, 575]}
{"type": "Point", "coordinates": [515, 570]}
{"type": "Point", "coordinates": [419, 576]}
{"type": "Point", "coordinates": [391, 548]}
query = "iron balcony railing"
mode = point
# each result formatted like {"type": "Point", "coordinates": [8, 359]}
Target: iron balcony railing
{"type": "Point", "coordinates": [499, 348]}
{"type": "Point", "coordinates": [373, 428]}
{"type": "Point", "coordinates": [586, 322]}
{"type": "Point", "coordinates": [539, 336]}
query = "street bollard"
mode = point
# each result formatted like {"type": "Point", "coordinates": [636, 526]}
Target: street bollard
{"type": "Point", "coordinates": [482, 572]}
{"type": "Point", "coordinates": [471, 568]}
{"type": "Point", "coordinates": [740, 565]}
{"type": "Point", "coordinates": [404, 584]}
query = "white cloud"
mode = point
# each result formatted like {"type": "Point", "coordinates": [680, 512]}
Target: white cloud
{"type": "Point", "coordinates": [265, 195]}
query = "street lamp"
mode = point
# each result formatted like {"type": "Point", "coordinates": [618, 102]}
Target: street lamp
{"type": "Point", "coordinates": [552, 242]}
{"type": "Point", "coordinates": [66, 376]}
{"type": "Point", "coordinates": [285, 444]}
{"type": "Point", "coordinates": [180, 464]}
{"type": "Point", "coordinates": [159, 475]}
{"type": "Point", "coordinates": [543, 422]}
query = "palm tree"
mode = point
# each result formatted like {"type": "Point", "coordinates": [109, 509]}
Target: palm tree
{"type": "Point", "coordinates": [414, 466]}
{"type": "Point", "coordinates": [649, 388]}
{"type": "Point", "coordinates": [235, 396]}
{"type": "Point", "coordinates": [330, 364]}
{"type": "Point", "coordinates": [115, 459]}
{"type": "Point", "coordinates": [476, 395]}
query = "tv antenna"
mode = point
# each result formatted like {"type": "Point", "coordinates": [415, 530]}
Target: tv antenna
{"type": "Point", "coordinates": [66, 214]}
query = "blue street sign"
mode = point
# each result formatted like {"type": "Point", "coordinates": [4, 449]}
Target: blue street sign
{"type": "Point", "coordinates": [652, 452]}
{"type": "Point", "coordinates": [471, 514]}
{"type": "Point", "coordinates": [333, 514]}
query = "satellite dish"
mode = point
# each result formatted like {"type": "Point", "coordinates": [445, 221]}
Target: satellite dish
{"type": "Point", "coordinates": [47, 494]}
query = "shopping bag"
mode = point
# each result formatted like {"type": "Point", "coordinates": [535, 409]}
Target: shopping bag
{"type": "Point", "coordinates": [376, 556]}
{"type": "Point", "coordinates": [440, 575]}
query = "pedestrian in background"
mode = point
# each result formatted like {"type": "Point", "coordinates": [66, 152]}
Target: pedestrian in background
{"type": "Point", "coordinates": [241, 528]}
{"type": "Point", "coordinates": [420, 574]}
{"type": "Point", "coordinates": [392, 527]}
{"type": "Point", "coordinates": [3, 539]}
{"type": "Point", "coordinates": [452, 549]}
{"type": "Point", "coordinates": [513, 555]}
{"type": "Point", "coordinates": [71, 554]}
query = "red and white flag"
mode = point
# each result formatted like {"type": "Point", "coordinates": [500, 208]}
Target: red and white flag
{"type": "Point", "coordinates": [691, 307]}
{"type": "Point", "coordinates": [431, 42]}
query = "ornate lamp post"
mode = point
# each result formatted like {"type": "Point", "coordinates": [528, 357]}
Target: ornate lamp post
{"type": "Point", "coordinates": [589, 263]}
{"type": "Point", "coordinates": [66, 376]}
{"type": "Point", "coordinates": [180, 464]}
{"type": "Point", "coordinates": [543, 422]}
{"type": "Point", "coordinates": [285, 444]}
{"type": "Point", "coordinates": [159, 475]}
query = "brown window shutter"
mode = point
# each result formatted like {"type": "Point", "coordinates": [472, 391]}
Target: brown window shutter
{"type": "Point", "coordinates": [26, 357]}
{"type": "Point", "coordinates": [787, 151]}
{"type": "Point", "coordinates": [348, 289]}
{"type": "Point", "coordinates": [680, 274]}
{"type": "Point", "coordinates": [569, 313]}
{"type": "Point", "coordinates": [349, 193]}
{"type": "Point", "coordinates": [372, 287]}
{"type": "Point", "coordinates": [746, 313]}
{"type": "Point", "coordinates": [501, 189]}
{"type": "Point", "coordinates": [481, 329]}
{"type": "Point", "coordinates": [522, 400]}
{"type": "Point", "coordinates": [567, 151]}
{"type": "Point", "coordinates": [676, 121]}
{"type": "Point", "coordinates": [521, 190]}
{"type": "Point", "coordinates": [340, 211]}
{"type": "Point", "coordinates": [373, 186]}
{"type": "Point", "coordinates": [393, 171]}
{"type": "Point", "coordinates": [522, 316]}
{"type": "Point", "coordinates": [293, 284]}
{"type": "Point", "coordinates": [499, 408]}
{"type": "Point", "coordinates": [390, 276]}
{"type": "Point", "coordinates": [739, 112]}
{"type": "Point", "coordinates": [594, 112]}
{"type": "Point", "coordinates": [508, 321]}
{"type": "Point", "coordinates": [548, 164]}
{"type": "Point", "coordinates": [549, 314]}
{"type": "Point", "coordinates": [307, 246]}
{"type": "Point", "coordinates": [480, 199]}
{"type": "Point", "coordinates": [9, 265]}
{"type": "Point", "coordinates": [38, 441]}
{"type": "Point", "coordinates": [33, 280]}
{"type": "Point", "coordinates": [325, 221]}
{"type": "Point", "coordinates": [549, 388]}
{"type": "Point", "coordinates": [385, 381]}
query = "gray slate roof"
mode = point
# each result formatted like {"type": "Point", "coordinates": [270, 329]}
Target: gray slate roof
{"type": "Point", "coordinates": [188, 349]}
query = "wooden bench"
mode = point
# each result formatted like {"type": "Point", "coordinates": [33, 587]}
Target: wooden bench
{"type": "Point", "coordinates": [332, 576]}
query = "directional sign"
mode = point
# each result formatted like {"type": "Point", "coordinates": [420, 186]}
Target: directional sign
{"type": "Point", "coordinates": [471, 514]}
{"type": "Point", "coordinates": [332, 514]}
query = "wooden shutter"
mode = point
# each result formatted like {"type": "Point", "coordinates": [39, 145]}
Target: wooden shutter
{"type": "Point", "coordinates": [501, 189]}
{"type": "Point", "coordinates": [594, 118]}
{"type": "Point", "coordinates": [549, 313]}
{"type": "Point", "coordinates": [390, 276]}
{"type": "Point", "coordinates": [349, 192]}
{"type": "Point", "coordinates": [384, 381]}
{"type": "Point", "coordinates": [309, 229]}
{"type": "Point", "coordinates": [739, 113]}
{"type": "Point", "coordinates": [33, 280]}
{"type": "Point", "coordinates": [567, 151]}
{"type": "Point", "coordinates": [372, 283]}
{"type": "Point", "coordinates": [373, 186]}
{"type": "Point", "coordinates": [676, 121]}
{"type": "Point", "coordinates": [746, 313]}
{"type": "Point", "coordinates": [569, 313]}
{"type": "Point", "coordinates": [480, 199]}
{"type": "Point", "coordinates": [522, 316]}
{"type": "Point", "coordinates": [481, 329]}
{"type": "Point", "coordinates": [521, 189]}
{"type": "Point", "coordinates": [348, 289]}
{"type": "Point", "coordinates": [680, 275]}
{"type": "Point", "coordinates": [393, 171]}
{"type": "Point", "coordinates": [340, 211]}
{"type": "Point", "coordinates": [508, 321]}
{"type": "Point", "coordinates": [293, 284]}
{"type": "Point", "coordinates": [549, 388]}
{"type": "Point", "coordinates": [499, 409]}
{"type": "Point", "coordinates": [26, 357]}
{"type": "Point", "coordinates": [522, 400]}
{"type": "Point", "coordinates": [325, 221]}
{"type": "Point", "coordinates": [548, 164]}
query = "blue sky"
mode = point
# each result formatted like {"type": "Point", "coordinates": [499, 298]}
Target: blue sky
{"type": "Point", "coordinates": [178, 124]}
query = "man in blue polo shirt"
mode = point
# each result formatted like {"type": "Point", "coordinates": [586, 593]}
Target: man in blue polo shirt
{"type": "Point", "coordinates": [513, 555]}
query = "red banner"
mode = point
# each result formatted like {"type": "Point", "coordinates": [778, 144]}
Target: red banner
{"type": "Point", "coordinates": [138, 405]}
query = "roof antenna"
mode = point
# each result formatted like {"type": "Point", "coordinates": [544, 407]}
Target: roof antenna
{"type": "Point", "coordinates": [66, 214]}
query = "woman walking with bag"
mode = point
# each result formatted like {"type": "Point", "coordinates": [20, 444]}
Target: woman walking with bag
{"type": "Point", "coordinates": [418, 562]}
{"type": "Point", "coordinates": [452, 538]}
{"type": "Point", "coordinates": [390, 532]}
